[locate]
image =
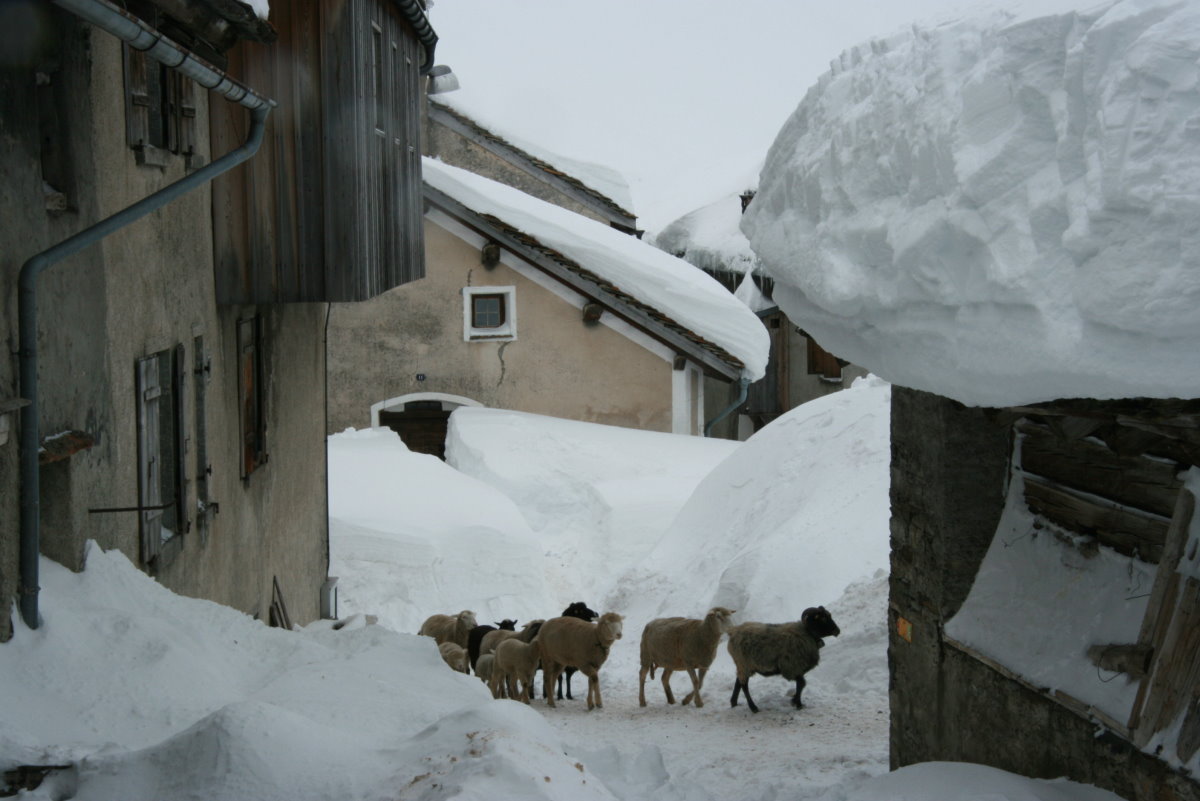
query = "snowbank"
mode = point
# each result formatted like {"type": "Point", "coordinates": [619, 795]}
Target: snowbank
{"type": "Point", "coordinates": [670, 285]}
{"type": "Point", "coordinates": [156, 696]}
{"type": "Point", "coordinates": [772, 543]}
{"type": "Point", "coordinates": [598, 496]}
{"type": "Point", "coordinates": [402, 522]}
{"type": "Point", "coordinates": [710, 238]}
{"type": "Point", "coordinates": [1000, 209]}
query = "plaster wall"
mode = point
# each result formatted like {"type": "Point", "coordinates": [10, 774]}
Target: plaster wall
{"type": "Point", "coordinates": [147, 288]}
{"type": "Point", "coordinates": [557, 365]}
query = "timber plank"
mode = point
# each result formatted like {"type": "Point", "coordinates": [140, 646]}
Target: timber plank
{"type": "Point", "coordinates": [1123, 529]}
{"type": "Point", "coordinates": [1089, 466]}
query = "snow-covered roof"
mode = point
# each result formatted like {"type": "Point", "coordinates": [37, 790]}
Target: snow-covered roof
{"type": "Point", "coordinates": [605, 185]}
{"type": "Point", "coordinates": [1002, 209]}
{"type": "Point", "coordinates": [670, 291]}
{"type": "Point", "coordinates": [710, 238]}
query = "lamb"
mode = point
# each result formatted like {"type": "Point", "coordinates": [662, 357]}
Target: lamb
{"type": "Point", "coordinates": [449, 628]}
{"type": "Point", "coordinates": [483, 667]}
{"type": "Point", "coordinates": [569, 641]}
{"type": "Point", "coordinates": [679, 643]}
{"type": "Point", "coordinates": [515, 661]}
{"type": "Point", "coordinates": [454, 655]}
{"type": "Point", "coordinates": [493, 638]}
{"type": "Point", "coordinates": [475, 637]}
{"type": "Point", "coordinates": [779, 649]}
{"type": "Point", "coordinates": [580, 610]}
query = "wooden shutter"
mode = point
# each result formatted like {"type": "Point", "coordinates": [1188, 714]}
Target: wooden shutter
{"type": "Point", "coordinates": [149, 393]}
{"type": "Point", "coordinates": [249, 380]}
{"type": "Point", "coordinates": [137, 98]}
{"type": "Point", "coordinates": [823, 363]}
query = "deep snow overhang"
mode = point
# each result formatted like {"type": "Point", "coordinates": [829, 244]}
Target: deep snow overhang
{"type": "Point", "coordinates": [463, 125]}
{"type": "Point", "coordinates": [712, 358]}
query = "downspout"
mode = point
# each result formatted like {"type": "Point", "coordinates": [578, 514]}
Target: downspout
{"type": "Point", "coordinates": [140, 36]}
{"type": "Point", "coordinates": [743, 391]}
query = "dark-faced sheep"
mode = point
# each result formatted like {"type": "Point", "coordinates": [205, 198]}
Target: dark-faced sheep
{"type": "Point", "coordinates": [680, 643]}
{"type": "Point", "coordinates": [475, 637]}
{"type": "Point", "coordinates": [779, 649]}
{"type": "Point", "coordinates": [571, 642]}
{"type": "Point", "coordinates": [449, 628]}
{"type": "Point", "coordinates": [580, 610]}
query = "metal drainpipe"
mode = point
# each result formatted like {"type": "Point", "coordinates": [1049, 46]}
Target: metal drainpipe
{"type": "Point", "coordinates": [743, 391]}
{"type": "Point", "coordinates": [141, 36]}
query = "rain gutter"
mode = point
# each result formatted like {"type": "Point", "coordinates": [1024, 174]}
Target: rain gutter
{"type": "Point", "coordinates": [414, 12]}
{"type": "Point", "coordinates": [743, 391]}
{"type": "Point", "coordinates": [139, 35]}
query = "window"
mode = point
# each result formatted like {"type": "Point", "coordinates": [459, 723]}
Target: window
{"type": "Point", "coordinates": [823, 363]}
{"type": "Point", "coordinates": [162, 514]}
{"type": "Point", "coordinates": [160, 109]}
{"type": "Point", "coordinates": [252, 405]}
{"type": "Point", "coordinates": [489, 313]}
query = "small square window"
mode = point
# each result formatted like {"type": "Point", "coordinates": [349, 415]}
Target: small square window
{"type": "Point", "coordinates": [489, 313]}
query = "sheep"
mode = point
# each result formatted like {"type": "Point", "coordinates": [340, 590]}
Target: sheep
{"type": "Point", "coordinates": [569, 641]}
{"type": "Point", "coordinates": [679, 643]}
{"type": "Point", "coordinates": [475, 637]}
{"type": "Point", "coordinates": [515, 661]}
{"type": "Point", "coordinates": [454, 655]}
{"type": "Point", "coordinates": [580, 610]}
{"type": "Point", "coordinates": [483, 667]}
{"type": "Point", "coordinates": [449, 628]}
{"type": "Point", "coordinates": [779, 649]}
{"type": "Point", "coordinates": [491, 639]}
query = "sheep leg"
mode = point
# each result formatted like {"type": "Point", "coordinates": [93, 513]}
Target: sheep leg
{"type": "Point", "coordinates": [799, 689]}
{"type": "Point", "coordinates": [740, 685]}
{"type": "Point", "coordinates": [696, 684]}
{"type": "Point", "coordinates": [666, 682]}
{"type": "Point", "coordinates": [511, 683]}
{"type": "Point", "coordinates": [642, 686]}
{"type": "Point", "coordinates": [593, 689]}
{"type": "Point", "coordinates": [550, 673]}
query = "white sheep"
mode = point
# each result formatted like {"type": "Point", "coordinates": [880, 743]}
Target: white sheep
{"type": "Point", "coordinates": [779, 649]}
{"type": "Point", "coordinates": [680, 643]}
{"type": "Point", "coordinates": [515, 662]}
{"type": "Point", "coordinates": [455, 656]}
{"type": "Point", "coordinates": [483, 667]}
{"type": "Point", "coordinates": [449, 628]}
{"type": "Point", "coordinates": [571, 642]}
{"type": "Point", "coordinates": [493, 638]}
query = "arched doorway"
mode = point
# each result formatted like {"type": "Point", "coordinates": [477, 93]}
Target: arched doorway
{"type": "Point", "coordinates": [421, 419]}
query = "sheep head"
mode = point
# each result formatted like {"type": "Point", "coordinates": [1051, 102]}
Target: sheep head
{"type": "Point", "coordinates": [610, 627]}
{"type": "Point", "coordinates": [580, 610]}
{"type": "Point", "coordinates": [819, 622]}
{"type": "Point", "coordinates": [722, 616]}
{"type": "Point", "coordinates": [506, 624]}
{"type": "Point", "coordinates": [466, 618]}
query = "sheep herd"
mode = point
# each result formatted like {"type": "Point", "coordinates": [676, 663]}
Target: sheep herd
{"type": "Point", "coordinates": [580, 639]}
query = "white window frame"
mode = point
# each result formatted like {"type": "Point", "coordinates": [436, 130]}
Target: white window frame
{"type": "Point", "coordinates": [505, 332]}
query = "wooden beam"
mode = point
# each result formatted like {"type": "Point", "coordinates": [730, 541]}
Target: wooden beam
{"type": "Point", "coordinates": [1089, 466]}
{"type": "Point", "coordinates": [1160, 610]}
{"type": "Point", "coordinates": [1124, 529]}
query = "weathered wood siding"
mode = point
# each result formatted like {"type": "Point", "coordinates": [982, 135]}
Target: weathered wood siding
{"type": "Point", "coordinates": [330, 207]}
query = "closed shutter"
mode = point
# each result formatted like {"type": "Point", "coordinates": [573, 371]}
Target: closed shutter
{"type": "Point", "coordinates": [150, 467]}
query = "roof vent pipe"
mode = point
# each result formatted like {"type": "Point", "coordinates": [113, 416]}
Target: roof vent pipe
{"type": "Point", "coordinates": [137, 34]}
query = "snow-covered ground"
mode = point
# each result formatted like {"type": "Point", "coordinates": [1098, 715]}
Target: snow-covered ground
{"type": "Point", "coordinates": [142, 694]}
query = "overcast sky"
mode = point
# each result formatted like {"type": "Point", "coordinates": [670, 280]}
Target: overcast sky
{"type": "Point", "coordinates": [682, 96]}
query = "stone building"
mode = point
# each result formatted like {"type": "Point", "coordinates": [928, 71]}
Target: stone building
{"type": "Point", "coordinates": [166, 393]}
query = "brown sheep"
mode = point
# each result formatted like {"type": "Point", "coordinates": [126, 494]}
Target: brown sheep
{"type": "Point", "coordinates": [680, 643]}
{"type": "Point", "coordinates": [571, 642]}
{"type": "Point", "coordinates": [515, 661]}
{"type": "Point", "coordinates": [454, 656]}
{"type": "Point", "coordinates": [449, 628]}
